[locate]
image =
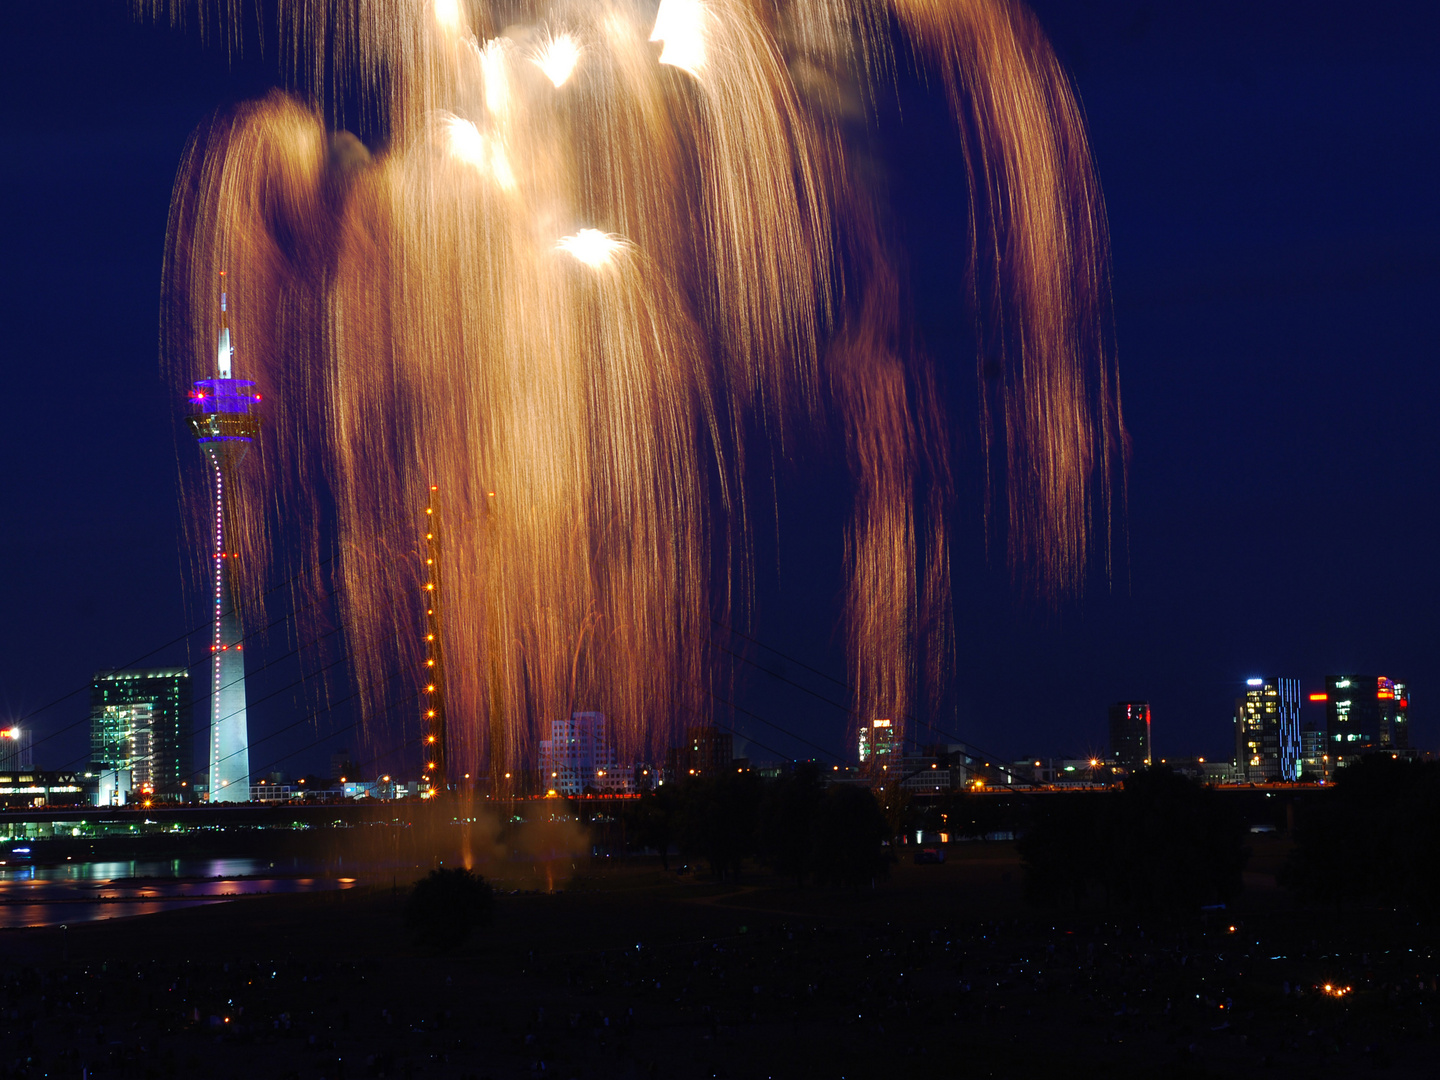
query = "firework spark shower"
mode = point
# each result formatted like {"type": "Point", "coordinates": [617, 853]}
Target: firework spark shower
{"type": "Point", "coordinates": [606, 265]}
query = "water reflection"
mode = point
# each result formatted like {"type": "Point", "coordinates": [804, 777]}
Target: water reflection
{"type": "Point", "coordinates": [86, 891]}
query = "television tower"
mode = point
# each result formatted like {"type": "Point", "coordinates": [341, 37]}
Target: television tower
{"type": "Point", "coordinates": [225, 426]}
{"type": "Point", "coordinates": [436, 770]}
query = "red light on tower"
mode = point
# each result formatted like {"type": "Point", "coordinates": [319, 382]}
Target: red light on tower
{"type": "Point", "coordinates": [1319, 697]}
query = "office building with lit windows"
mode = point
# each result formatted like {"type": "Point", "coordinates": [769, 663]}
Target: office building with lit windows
{"type": "Point", "coordinates": [1314, 753]}
{"type": "Point", "coordinates": [879, 742]}
{"type": "Point", "coordinates": [1267, 731]}
{"type": "Point", "coordinates": [579, 758]}
{"type": "Point", "coordinates": [705, 752]}
{"type": "Point", "coordinates": [1365, 714]}
{"type": "Point", "coordinates": [141, 723]}
{"type": "Point", "coordinates": [1130, 735]}
{"type": "Point", "coordinates": [31, 788]}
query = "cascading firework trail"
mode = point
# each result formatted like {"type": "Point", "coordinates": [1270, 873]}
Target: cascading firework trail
{"type": "Point", "coordinates": [608, 257]}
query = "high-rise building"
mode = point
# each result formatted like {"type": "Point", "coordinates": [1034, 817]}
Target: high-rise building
{"type": "Point", "coordinates": [1267, 731]}
{"type": "Point", "coordinates": [705, 752]}
{"type": "Point", "coordinates": [141, 722]}
{"type": "Point", "coordinates": [1130, 735]}
{"type": "Point", "coordinates": [1365, 714]}
{"type": "Point", "coordinates": [342, 765]}
{"type": "Point", "coordinates": [15, 749]}
{"type": "Point", "coordinates": [225, 426]}
{"type": "Point", "coordinates": [1314, 753]}
{"type": "Point", "coordinates": [878, 742]}
{"type": "Point", "coordinates": [579, 758]}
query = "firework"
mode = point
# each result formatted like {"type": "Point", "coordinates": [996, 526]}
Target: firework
{"type": "Point", "coordinates": [607, 256]}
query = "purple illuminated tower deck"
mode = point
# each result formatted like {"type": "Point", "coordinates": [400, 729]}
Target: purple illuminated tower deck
{"type": "Point", "coordinates": [222, 418]}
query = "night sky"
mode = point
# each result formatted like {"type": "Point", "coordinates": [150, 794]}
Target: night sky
{"type": "Point", "coordinates": [1271, 180]}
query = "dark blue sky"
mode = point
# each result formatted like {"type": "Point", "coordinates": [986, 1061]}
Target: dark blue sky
{"type": "Point", "coordinates": [1271, 180]}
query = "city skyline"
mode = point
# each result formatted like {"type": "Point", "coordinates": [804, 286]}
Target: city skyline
{"type": "Point", "coordinates": [1229, 300]}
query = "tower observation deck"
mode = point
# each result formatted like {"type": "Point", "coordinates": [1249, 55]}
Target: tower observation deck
{"type": "Point", "coordinates": [225, 426]}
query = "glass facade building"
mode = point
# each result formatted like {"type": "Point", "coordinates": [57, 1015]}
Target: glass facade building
{"type": "Point", "coordinates": [1365, 714]}
{"type": "Point", "coordinates": [1314, 753]}
{"type": "Point", "coordinates": [1267, 731]}
{"type": "Point", "coordinates": [141, 722]}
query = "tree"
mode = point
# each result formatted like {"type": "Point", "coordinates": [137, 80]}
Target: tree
{"type": "Point", "coordinates": [1060, 850]}
{"type": "Point", "coordinates": [788, 812]}
{"type": "Point", "coordinates": [1169, 844]}
{"type": "Point", "coordinates": [446, 906]}
{"type": "Point", "coordinates": [849, 837]}
{"type": "Point", "coordinates": [974, 815]}
{"type": "Point", "coordinates": [1371, 838]}
{"type": "Point", "coordinates": [1161, 843]}
{"type": "Point", "coordinates": [717, 820]}
{"type": "Point", "coordinates": [653, 818]}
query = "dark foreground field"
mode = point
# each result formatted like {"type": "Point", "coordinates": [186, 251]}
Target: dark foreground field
{"type": "Point", "coordinates": [941, 971]}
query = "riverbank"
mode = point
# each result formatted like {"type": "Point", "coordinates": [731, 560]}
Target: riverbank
{"type": "Point", "coordinates": [630, 971]}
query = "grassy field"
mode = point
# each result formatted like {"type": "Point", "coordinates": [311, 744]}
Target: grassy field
{"type": "Point", "coordinates": [631, 971]}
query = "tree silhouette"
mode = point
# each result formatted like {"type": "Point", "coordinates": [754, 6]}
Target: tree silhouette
{"type": "Point", "coordinates": [446, 906]}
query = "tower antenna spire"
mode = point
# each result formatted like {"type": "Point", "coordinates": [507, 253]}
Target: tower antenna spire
{"type": "Point", "coordinates": [224, 350]}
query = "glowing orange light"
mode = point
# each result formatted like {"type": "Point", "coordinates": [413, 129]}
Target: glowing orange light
{"type": "Point", "coordinates": [1319, 697]}
{"type": "Point", "coordinates": [557, 58]}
